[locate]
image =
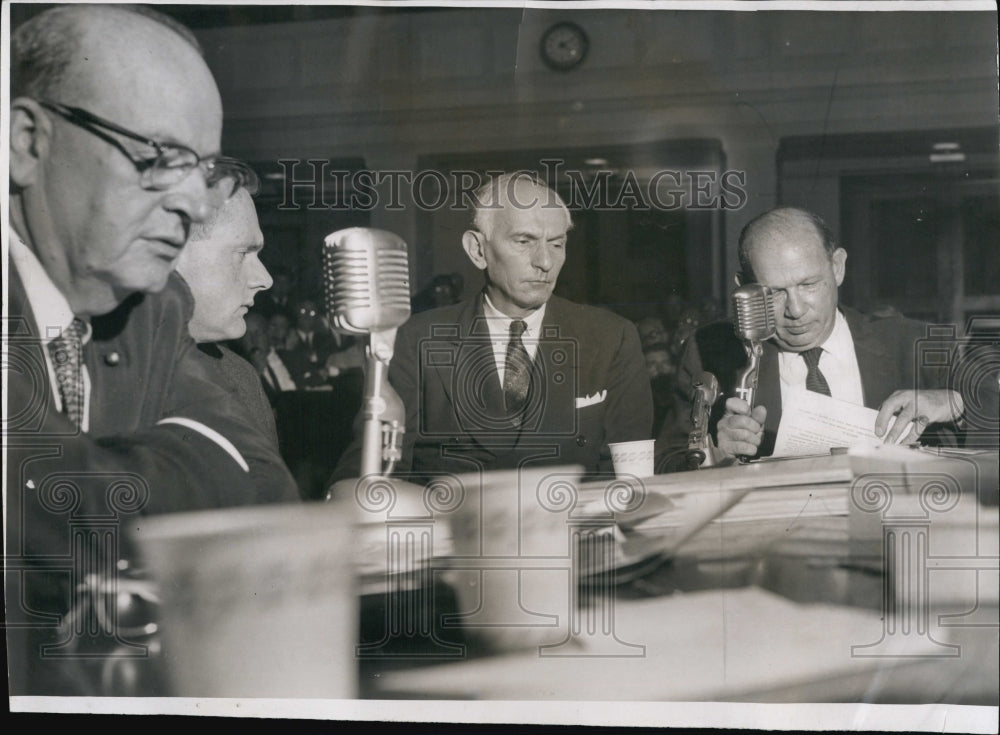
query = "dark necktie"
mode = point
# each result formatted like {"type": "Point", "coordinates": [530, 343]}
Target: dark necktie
{"type": "Point", "coordinates": [517, 369]}
{"type": "Point", "coordinates": [66, 352]}
{"type": "Point", "coordinates": [814, 378]}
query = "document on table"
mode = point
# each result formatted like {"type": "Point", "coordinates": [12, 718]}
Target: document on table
{"type": "Point", "coordinates": [812, 423]}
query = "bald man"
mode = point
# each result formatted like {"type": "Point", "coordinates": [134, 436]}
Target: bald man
{"type": "Point", "coordinates": [477, 397]}
{"type": "Point", "coordinates": [820, 345]}
{"type": "Point", "coordinates": [115, 122]}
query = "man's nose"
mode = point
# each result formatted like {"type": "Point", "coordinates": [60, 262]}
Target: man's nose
{"type": "Point", "coordinates": [795, 305]}
{"type": "Point", "coordinates": [191, 198]}
{"type": "Point", "coordinates": [261, 278]}
{"type": "Point", "coordinates": [542, 258]}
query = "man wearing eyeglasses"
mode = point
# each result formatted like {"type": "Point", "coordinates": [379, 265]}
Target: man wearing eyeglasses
{"type": "Point", "coordinates": [115, 123]}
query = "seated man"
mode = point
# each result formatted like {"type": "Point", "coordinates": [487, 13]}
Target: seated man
{"type": "Point", "coordinates": [819, 345]}
{"type": "Point", "coordinates": [115, 123]}
{"type": "Point", "coordinates": [221, 264]}
{"type": "Point", "coordinates": [515, 375]}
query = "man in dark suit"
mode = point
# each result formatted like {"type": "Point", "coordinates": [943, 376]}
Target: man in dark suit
{"type": "Point", "coordinates": [819, 345]}
{"type": "Point", "coordinates": [115, 123]}
{"type": "Point", "coordinates": [221, 264]}
{"type": "Point", "coordinates": [515, 375]}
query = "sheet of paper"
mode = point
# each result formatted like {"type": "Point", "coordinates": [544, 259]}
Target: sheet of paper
{"type": "Point", "coordinates": [813, 423]}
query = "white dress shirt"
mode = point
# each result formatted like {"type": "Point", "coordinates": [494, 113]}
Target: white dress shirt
{"type": "Point", "coordinates": [52, 314]}
{"type": "Point", "coordinates": [838, 363]}
{"type": "Point", "coordinates": [499, 324]}
{"type": "Point", "coordinates": [279, 371]}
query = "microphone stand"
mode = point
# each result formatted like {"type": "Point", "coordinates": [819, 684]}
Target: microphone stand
{"type": "Point", "coordinates": [383, 412]}
{"type": "Point", "coordinates": [704, 393]}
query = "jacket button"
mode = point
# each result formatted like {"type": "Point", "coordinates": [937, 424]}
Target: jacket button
{"type": "Point", "coordinates": [112, 359]}
{"type": "Point", "coordinates": [581, 441]}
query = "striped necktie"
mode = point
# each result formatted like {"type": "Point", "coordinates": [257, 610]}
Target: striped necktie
{"type": "Point", "coordinates": [815, 381]}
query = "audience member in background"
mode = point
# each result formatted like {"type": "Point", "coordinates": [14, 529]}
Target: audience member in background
{"type": "Point", "coordinates": [652, 330]}
{"type": "Point", "coordinates": [278, 299]}
{"type": "Point", "coordinates": [663, 382]}
{"type": "Point", "coordinates": [263, 345]}
{"type": "Point", "coordinates": [279, 331]}
{"type": "Point", "coordinates": [443, 290]}
{"type": "Point", "coordinates": [312, 345]}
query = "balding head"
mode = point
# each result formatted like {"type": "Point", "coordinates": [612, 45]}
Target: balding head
{"type": "Point", "coordinates": [78, 198]}
{"type": "Point", "coordinates": [518, 240]}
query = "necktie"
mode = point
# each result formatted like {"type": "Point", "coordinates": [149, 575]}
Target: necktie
{"type": "Point", "coordinates": [517, 369]}
{"type": "Point", "coordinates": [814, 378]}
{"type": "Point", "coordinates": [66, 352]}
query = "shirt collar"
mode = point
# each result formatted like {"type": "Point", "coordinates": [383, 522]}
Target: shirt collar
{"type": "Point", "coordinates": [500, 323]}
{"type": "Point", "coordinates": [48, 304]}
{"type": "Point", "coordinates": [839, 344]}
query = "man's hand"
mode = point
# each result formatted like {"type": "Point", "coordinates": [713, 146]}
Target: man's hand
{"type": "Point", "coordinates": [740, 430]}
{"type": "Point", "coordinates": [922, 408]}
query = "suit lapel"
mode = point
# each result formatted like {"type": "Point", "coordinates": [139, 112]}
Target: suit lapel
{"type": "Point", "coordinates": [879, 376]}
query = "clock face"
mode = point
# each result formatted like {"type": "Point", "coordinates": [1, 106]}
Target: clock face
{"type": "Point", "coordinates": [564, 46]}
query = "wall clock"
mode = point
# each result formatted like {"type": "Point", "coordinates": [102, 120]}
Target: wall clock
{"type": "Point", "coordinates": [564, 46]}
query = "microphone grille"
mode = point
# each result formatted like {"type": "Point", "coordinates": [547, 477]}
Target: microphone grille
{"type": "Point", "coordinates": [366, 280]}
{"type": "Point", "coordinates": [754, 307]}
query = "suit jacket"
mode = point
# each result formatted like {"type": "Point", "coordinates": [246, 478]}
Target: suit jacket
{"type": "Point", "coordinates": [885, 350]}
{"type": "Point", "coordinates": [67, 490]}
{"type": "Point", "coordinates": [243, 383]}
{"type": "Point", "coordinates": [589, 388]}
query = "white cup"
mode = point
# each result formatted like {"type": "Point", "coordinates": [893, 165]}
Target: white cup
{"type": "Point", "coordinates": [633, 458]}
{"type": "Point", "coordinates": [256, 601]}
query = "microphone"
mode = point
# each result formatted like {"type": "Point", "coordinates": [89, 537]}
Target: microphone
{"type": "Point", "coordinates": [366, 284]}
{"type": "Point", "coordinates": [704, 393]}
{"type": "Point", "coordinates": [754, 307]}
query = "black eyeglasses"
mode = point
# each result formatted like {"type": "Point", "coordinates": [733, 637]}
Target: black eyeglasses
{"type": "Point", "coordinates": [172, 162]}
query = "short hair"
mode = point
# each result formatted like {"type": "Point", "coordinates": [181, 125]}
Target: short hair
{"type": "Point", "coordinates": [43, 47]}
{"type": "Point", "coordinates": [781, 218]}
{"type": "Point", "coordinates": [487, 199]}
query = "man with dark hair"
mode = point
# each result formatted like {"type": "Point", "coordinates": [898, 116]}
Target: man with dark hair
{"type": "Point", "coordinates": [516, 375]}
{"type": "Point", "coordinates": [819, 345]}
{"type": "Point", "coordinates": [115, 122]}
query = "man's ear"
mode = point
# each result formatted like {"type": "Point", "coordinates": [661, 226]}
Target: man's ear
{"type": "Point", "coordinates": [474, 244]}
{"type": "Point", "coordinates": [739, 278]}
{"type": "Point", "coordinates": [839, 260]}
{"type": "Point", "coordinates": [30, 136]}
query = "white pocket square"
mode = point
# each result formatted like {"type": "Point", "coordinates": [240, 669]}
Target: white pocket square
{"type": "Point", "coordinates": [585, 401]}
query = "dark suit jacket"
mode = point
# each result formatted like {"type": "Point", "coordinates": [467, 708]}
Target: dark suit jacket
{"type": "Point", "coordinates": [64, 485]}
{"type": "Point", "coordinates": [243, 383]}
{"type": "Point", "coordinates": [885, 349]}
{"type": "Point", "coordinates": [445, 372]}
{"type": "Point", "coordinates": [308, 366]}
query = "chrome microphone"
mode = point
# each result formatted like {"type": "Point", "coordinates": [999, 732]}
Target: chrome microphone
{"type": "Point", "coordinates": [704, 393]}
{"type": "Point", "coordinates": [754, 307]}
{"type": "Point", "coordinates": [366, 280]}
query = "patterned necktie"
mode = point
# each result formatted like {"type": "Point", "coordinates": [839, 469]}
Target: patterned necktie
{"type": "Point", "coordinates": [66, 352]}
{"type": "Point", "coordinates": [814, 378]}
{"type": "Point", "coordinates": [517, 369]}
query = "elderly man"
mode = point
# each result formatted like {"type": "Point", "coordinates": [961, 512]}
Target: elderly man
{"type": "Point", "coordinates": [516, 375]}
{"type": "Point", "coordinates": [115, 123]}
{"type": "Point", "coordinates": [819, 345]}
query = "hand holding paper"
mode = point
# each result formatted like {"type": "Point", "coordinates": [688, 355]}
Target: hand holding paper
{"type": "Point", "coordinates": [917, 410]}
{"type": "Point", "coordinates": [812, 423]}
